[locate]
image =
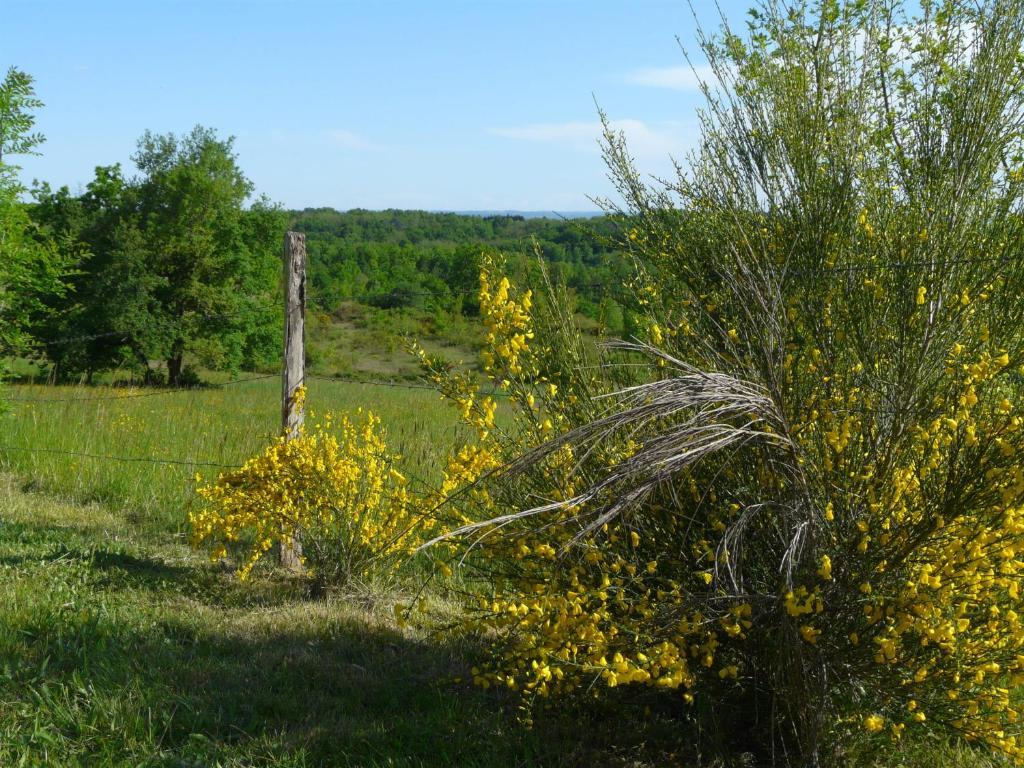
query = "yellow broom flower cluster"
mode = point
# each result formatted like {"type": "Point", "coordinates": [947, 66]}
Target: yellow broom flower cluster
{"type": "Point", "coordinates": [559, 625]}
{"type": "Point", "coordinates": [901, 590]}
{"type": "Point", "coordinates": [336, 486]}
{"type": "Point", "coordinates": [922, 558]}
{"type": "Point", "coordinates": [507, 321]}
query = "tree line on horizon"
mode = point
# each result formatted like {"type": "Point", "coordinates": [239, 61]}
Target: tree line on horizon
{"type": "Point", "coordinates": [431, 261]}
{"type": "Point", "coordinates": [177, 267]}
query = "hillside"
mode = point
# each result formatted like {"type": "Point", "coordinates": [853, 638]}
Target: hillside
{"type": "Point", "coordinates": [379, 277]}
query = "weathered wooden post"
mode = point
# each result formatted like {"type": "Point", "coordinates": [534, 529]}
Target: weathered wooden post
{"type": "Point", "coordinates": [294, 371]}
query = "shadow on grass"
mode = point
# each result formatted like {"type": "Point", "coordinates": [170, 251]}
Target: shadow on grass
{"type": "Point", "coordinates": [114, 564]}
{"type": "Point", "coordinates": [143, 661]}
{"type": "Point", "coordinates": [342, 694]}
{"type": "Point", "coordinates": [362, 697]}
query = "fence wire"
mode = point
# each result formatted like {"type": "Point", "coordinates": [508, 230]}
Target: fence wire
{"type": "Point", "coordinates": [320, 302]}
{"type": "Point", "coordinates": [140, 459]}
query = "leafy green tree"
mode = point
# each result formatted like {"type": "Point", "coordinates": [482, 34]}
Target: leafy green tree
{"type": "Point", "coordinates": [31, 268]}
{"type": "Point", "coordinates": [87, 331]}
{"type": "Point", "coordinates": [215, 268]}
{"type": "Point", "coordinates": [176, 264]}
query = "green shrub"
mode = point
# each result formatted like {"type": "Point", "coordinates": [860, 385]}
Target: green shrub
{"type": "Point", "coordinates": [797, 505]}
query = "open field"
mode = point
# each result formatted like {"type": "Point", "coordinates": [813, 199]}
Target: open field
{"type": "Point", "coordinates": [49, 430]}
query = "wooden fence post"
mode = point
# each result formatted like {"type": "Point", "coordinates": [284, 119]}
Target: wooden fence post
{"type": "Point", "coordinates": [294, 371]}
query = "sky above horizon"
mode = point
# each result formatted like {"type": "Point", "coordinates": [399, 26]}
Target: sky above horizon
{"type": "Point", "coordinates": [446, 105]}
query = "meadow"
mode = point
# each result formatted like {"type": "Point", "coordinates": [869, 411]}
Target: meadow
{"type": "Point", "coordinates": [120, 645]}
{"type": "Point", "coordinates": [59, 438]}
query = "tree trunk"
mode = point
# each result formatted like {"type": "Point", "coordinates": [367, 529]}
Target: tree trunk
{"type": "Point", "coordinates": [174, 364]}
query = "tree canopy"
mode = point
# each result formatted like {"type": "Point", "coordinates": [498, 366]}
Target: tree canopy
{"type": "Point", "coordinates": [31, 267]}
{"type": "Point", "coordinates": [175, 263]}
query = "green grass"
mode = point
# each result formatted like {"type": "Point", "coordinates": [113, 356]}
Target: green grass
{"type": "Point", "coordinates": [217, 425]}
{"type": "Point", "coordinates": [120, 647]}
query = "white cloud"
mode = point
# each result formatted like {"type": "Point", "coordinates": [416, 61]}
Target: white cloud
{"type": "Point", "coordinates": [579, 135]}
{"type": "Point", "coordinates": [344, 139]}
{"type": "Point", "coordinates": [647, 140]}
{"type": "Point", "coordinates": [682, 78]}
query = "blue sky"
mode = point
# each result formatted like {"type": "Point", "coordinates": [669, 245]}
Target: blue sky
{"type": "Point", "coordinates": [450, 104]}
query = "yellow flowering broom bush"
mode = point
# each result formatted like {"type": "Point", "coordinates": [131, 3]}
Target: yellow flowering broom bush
{"type": "Point", "coordinates": [335, 486]}
{"type": "Point", "coordinates": [797, 506]}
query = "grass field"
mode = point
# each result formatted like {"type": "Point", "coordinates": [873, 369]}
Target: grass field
{"type": "Point", "coordinates": [48, 431]}
{"type": "Point", "coordinates": [122, 649]}
{"type": "Point", "coordinates": [120, 646]}
{"type": "Point", "coordinates": [363, 342]}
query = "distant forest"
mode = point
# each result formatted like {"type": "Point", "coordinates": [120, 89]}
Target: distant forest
{"type": "Point", "coordinates": [392, 259]}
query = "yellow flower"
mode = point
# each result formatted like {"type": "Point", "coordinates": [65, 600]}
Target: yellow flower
{"type": "Point", "coordinates": [810, 634]}
{"type": "Point", "coordinates": [825, 568]}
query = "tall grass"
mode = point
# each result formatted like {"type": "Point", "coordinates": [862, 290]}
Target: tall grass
{"type": "Point", "coordinates": [223, 425]}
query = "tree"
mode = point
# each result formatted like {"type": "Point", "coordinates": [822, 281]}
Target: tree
{"type": "Point", "coordinates": [86, 332]}
{"type": "Point", "coordinates": [31, 268]}
{"type": "Point", "coordinates": [17, 103]}
{"type": "Point", "coordinates": [174, 263]}
{"type": "Point", "coordinates": [214, 264]}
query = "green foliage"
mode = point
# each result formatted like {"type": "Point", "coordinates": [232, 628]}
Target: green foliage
{"type": "Point", "coordinates": [18, 101]}
{"type": "Point", "coordinates": [393, 259]}
{"type": "Point", "coordinates": [31, 268]}
{"type": "Point", "coordinates": [173, 263]}
{"type": "Point", "coordinates": [802, 520]}
{"type": "Point", "coordinates": [152, 284]}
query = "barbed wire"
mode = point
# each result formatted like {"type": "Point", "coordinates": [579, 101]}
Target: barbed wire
{"type": "Point", "coordinates": [308, 376]}
{"type": "Point", "coordinates": [321, 299]}
{"type": "Point", "coordinates": [135, 395]}
{"type": "Point", "coordinates": [370, 382]}
{"type": "Point", "coordinates": [126, 335]}
{"type": "Point", "coordinates": [892, 411]}
{"type": "Point", "coordinates": [392, 383]}
{"type": "Point", "coordinates": [139, 459]}
{"type": "Point", "coordinates": [931, 264]}
{"type": "Point", "coordinates": [400, 293]}
{"type": "Point", "coordinates": [73, 339]}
